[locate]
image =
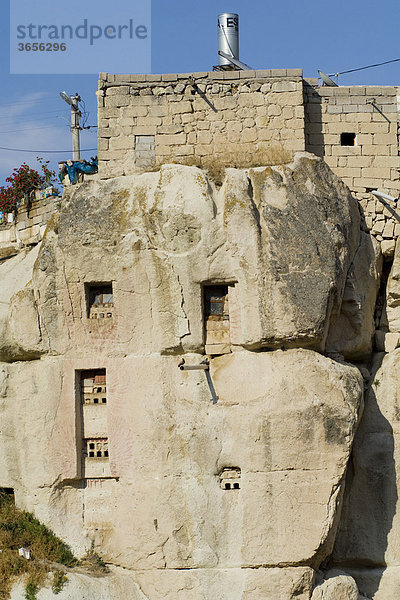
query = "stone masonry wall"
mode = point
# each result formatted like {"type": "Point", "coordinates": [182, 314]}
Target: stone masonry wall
{"type": "Point", "coordinates": [371, 113]}
{"type": "Point", "coordinates": [211, 117]}
{"type": "Point", "coordinates": [236, 118]}
{"type": "Point", "coordinates": [373, 162]}
{"type": "Point", "coordinates": [28, 227]}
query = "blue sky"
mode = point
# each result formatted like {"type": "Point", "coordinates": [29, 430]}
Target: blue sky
{"type": "Point", "coordinates": [313, 34]}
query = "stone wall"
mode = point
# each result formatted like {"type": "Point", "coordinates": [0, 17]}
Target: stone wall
{"type": "Point", "coordinates": [236, 118]}
{"type": "Point", "coordinates": [370, 113]}
{"type": "Point", "coordinates": [28, 227]}
{"type": "Point", "coordinates": [228, 118]}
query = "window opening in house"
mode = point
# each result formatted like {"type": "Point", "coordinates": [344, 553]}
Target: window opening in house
{"type": "Point", "coordinates": [100, 300]}
{"type": "Point", "coordinates": [347, 139]}
{"type": "Point", "coordinates": [229, 478]}
{"type": "Point", "coordinates": [145, 151]}
{"type": "Point", "coordinates": [92, 383]}
{"type": "Point", "coordinates": [96, 448]}
{"type": "Point", "coordinates": [216, 319]}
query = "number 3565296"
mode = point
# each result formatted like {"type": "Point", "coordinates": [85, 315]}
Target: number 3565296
{"type": "Point", "coordinates": [42, 47]}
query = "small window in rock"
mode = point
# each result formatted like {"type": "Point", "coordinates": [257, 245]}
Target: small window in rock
{"type": "Point", "coordinates": [97, 448]}
{"type": "Point", "coordinates": [229, 478]}
{"type": "Point", "coordinates": [91, 382]}
{"type": "Point", "coordinates": [7, 493]}
{"type": "Point", "coordinates": [100, 300]}
{"type": "Point", "coordinates": [216, 319]}
{"type": "Point", "coordinates": [347, 139]}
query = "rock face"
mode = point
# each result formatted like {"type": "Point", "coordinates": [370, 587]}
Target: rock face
{"type": "Point", "coordinates": [352, 331]}
{"type": "Point", "coordinates": [221, 483]}
{"type": "Point", "coordinates": [337, 586]}
{"type": "Point", "coordinates": [368, 531]}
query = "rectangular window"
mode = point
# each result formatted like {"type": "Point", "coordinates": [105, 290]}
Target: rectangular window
{"type": "Point", "coordinates": [96, 448]}
{"type": "Point", "coordinates": [93, 387]}
{"type": "Point", "coordinates": [216, 302]}
{"type": "Point", "coordinates": [100, 300]}
{"type": "Point", "coordinates": [145, 151]}
{"type": "Point", "coordinates": [348, 139]}
{"type": "Point", "coordinates": [216, 319]}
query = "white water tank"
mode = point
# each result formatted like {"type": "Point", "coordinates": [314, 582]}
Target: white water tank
{"type": "Point", "coordinates": [228, 37]}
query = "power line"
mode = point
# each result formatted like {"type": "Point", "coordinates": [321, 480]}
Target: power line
{"type": "Point", "coordinates": [16, 103]}
{"type": "Point", "coordinates": [45, 151]}
{"type": "Point", "coordinates": [387, 62]}
{"type": "Point", "coordinates": [27, 115]}
{"type": "Point", "coordinates": [28, 129]}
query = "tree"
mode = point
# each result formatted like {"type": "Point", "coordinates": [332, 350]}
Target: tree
{"type": "Point", "coordinates": [22, 182]}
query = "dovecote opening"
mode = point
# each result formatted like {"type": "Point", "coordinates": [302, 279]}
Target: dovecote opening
{"type": "Point", "coordinates": [100, 300]}
{"type": "Point", "coordinates": [93, 384]}
{"type": "Point", "coordinates": [347, 138]}
{"type": "Point", "coordinates": [92, 423]}
{"type": "Point", "coordinates": [229, 478]}
{"type": "Point", "coordinates": [96, 448]}
{"type": "Point", "coordinates": [216, 319]}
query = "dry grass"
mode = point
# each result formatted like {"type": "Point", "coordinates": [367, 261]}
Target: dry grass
{"type": "Point", "coordinates": [215, 166]}
{"type": "Point", "coordinates": [20, 529]}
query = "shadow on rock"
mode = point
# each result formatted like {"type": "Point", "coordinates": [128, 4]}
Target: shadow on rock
{"type": "Point", "coordinates": [371, 493]}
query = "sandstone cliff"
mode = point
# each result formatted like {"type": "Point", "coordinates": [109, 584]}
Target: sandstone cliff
{"type": "Point", "coordinates": [236, 482]}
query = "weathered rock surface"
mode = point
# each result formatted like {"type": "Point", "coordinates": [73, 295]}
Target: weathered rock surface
{"type": "Point", "coordinates": [368, 532]}
{"type": "Point", "coordinates": [286, 236]}
{"type": "Point", "coordinates": [336, 586]}
{"type": "Point", "coordinates": [283, 238]}
{"type": "Point", "coordinates": [352, 331]}
{"type": "Point", "coordinates": [21, 328]}
{"type": "Point", "coordinates": [393, 293]}
{"type": "Point", "coordinates": [290, 440]}
{"type": "Point", "coordinates": [225, 584]}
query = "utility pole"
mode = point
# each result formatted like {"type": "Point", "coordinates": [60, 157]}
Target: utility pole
{"type": "Point", "coordinates": [75, 127]}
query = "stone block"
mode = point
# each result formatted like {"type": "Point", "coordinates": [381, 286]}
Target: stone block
{"type": "Point", "coordinates": [121, 143]}
{"type": "Point", "coordinates": [375, 150]}
{"type": "Point", "coordinates": [376, 172]}
{"type": "Point", "coordinates": [117, 101]}
{"type": "Point", "coordinates": [333, 109]}
{"type": "Point", "coordinates": [173, 140]}
{"type": "Point", "coordinates": [204, 137]}
{"type": "Point", "coordinates": [153, 78]}
{"type": "Point", "coordinates": [378, 227]}
{"type": "Point", "coordinates": [170, 129]}
{"type": "Point", "coordinates": [144, 130]}
{"type": "Point", "coordinates": [159, 110]}
{"type": "Point", "coordinates": [184, 106]}
{"type": "Point", "coordinates": [388, 230]}
{"type": "Point", "coordinates": [285, 86]}
{"type": "Point", "coordinates": [102, 144]}
{"type": "Point", "coordinates": [169, 77]}
{"type": "Point", "coordinates": [273, 73]}
{"type": "Point", "coordinates": [119, 90]}
{"type": "Point", "coordinates": [388, 247]}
